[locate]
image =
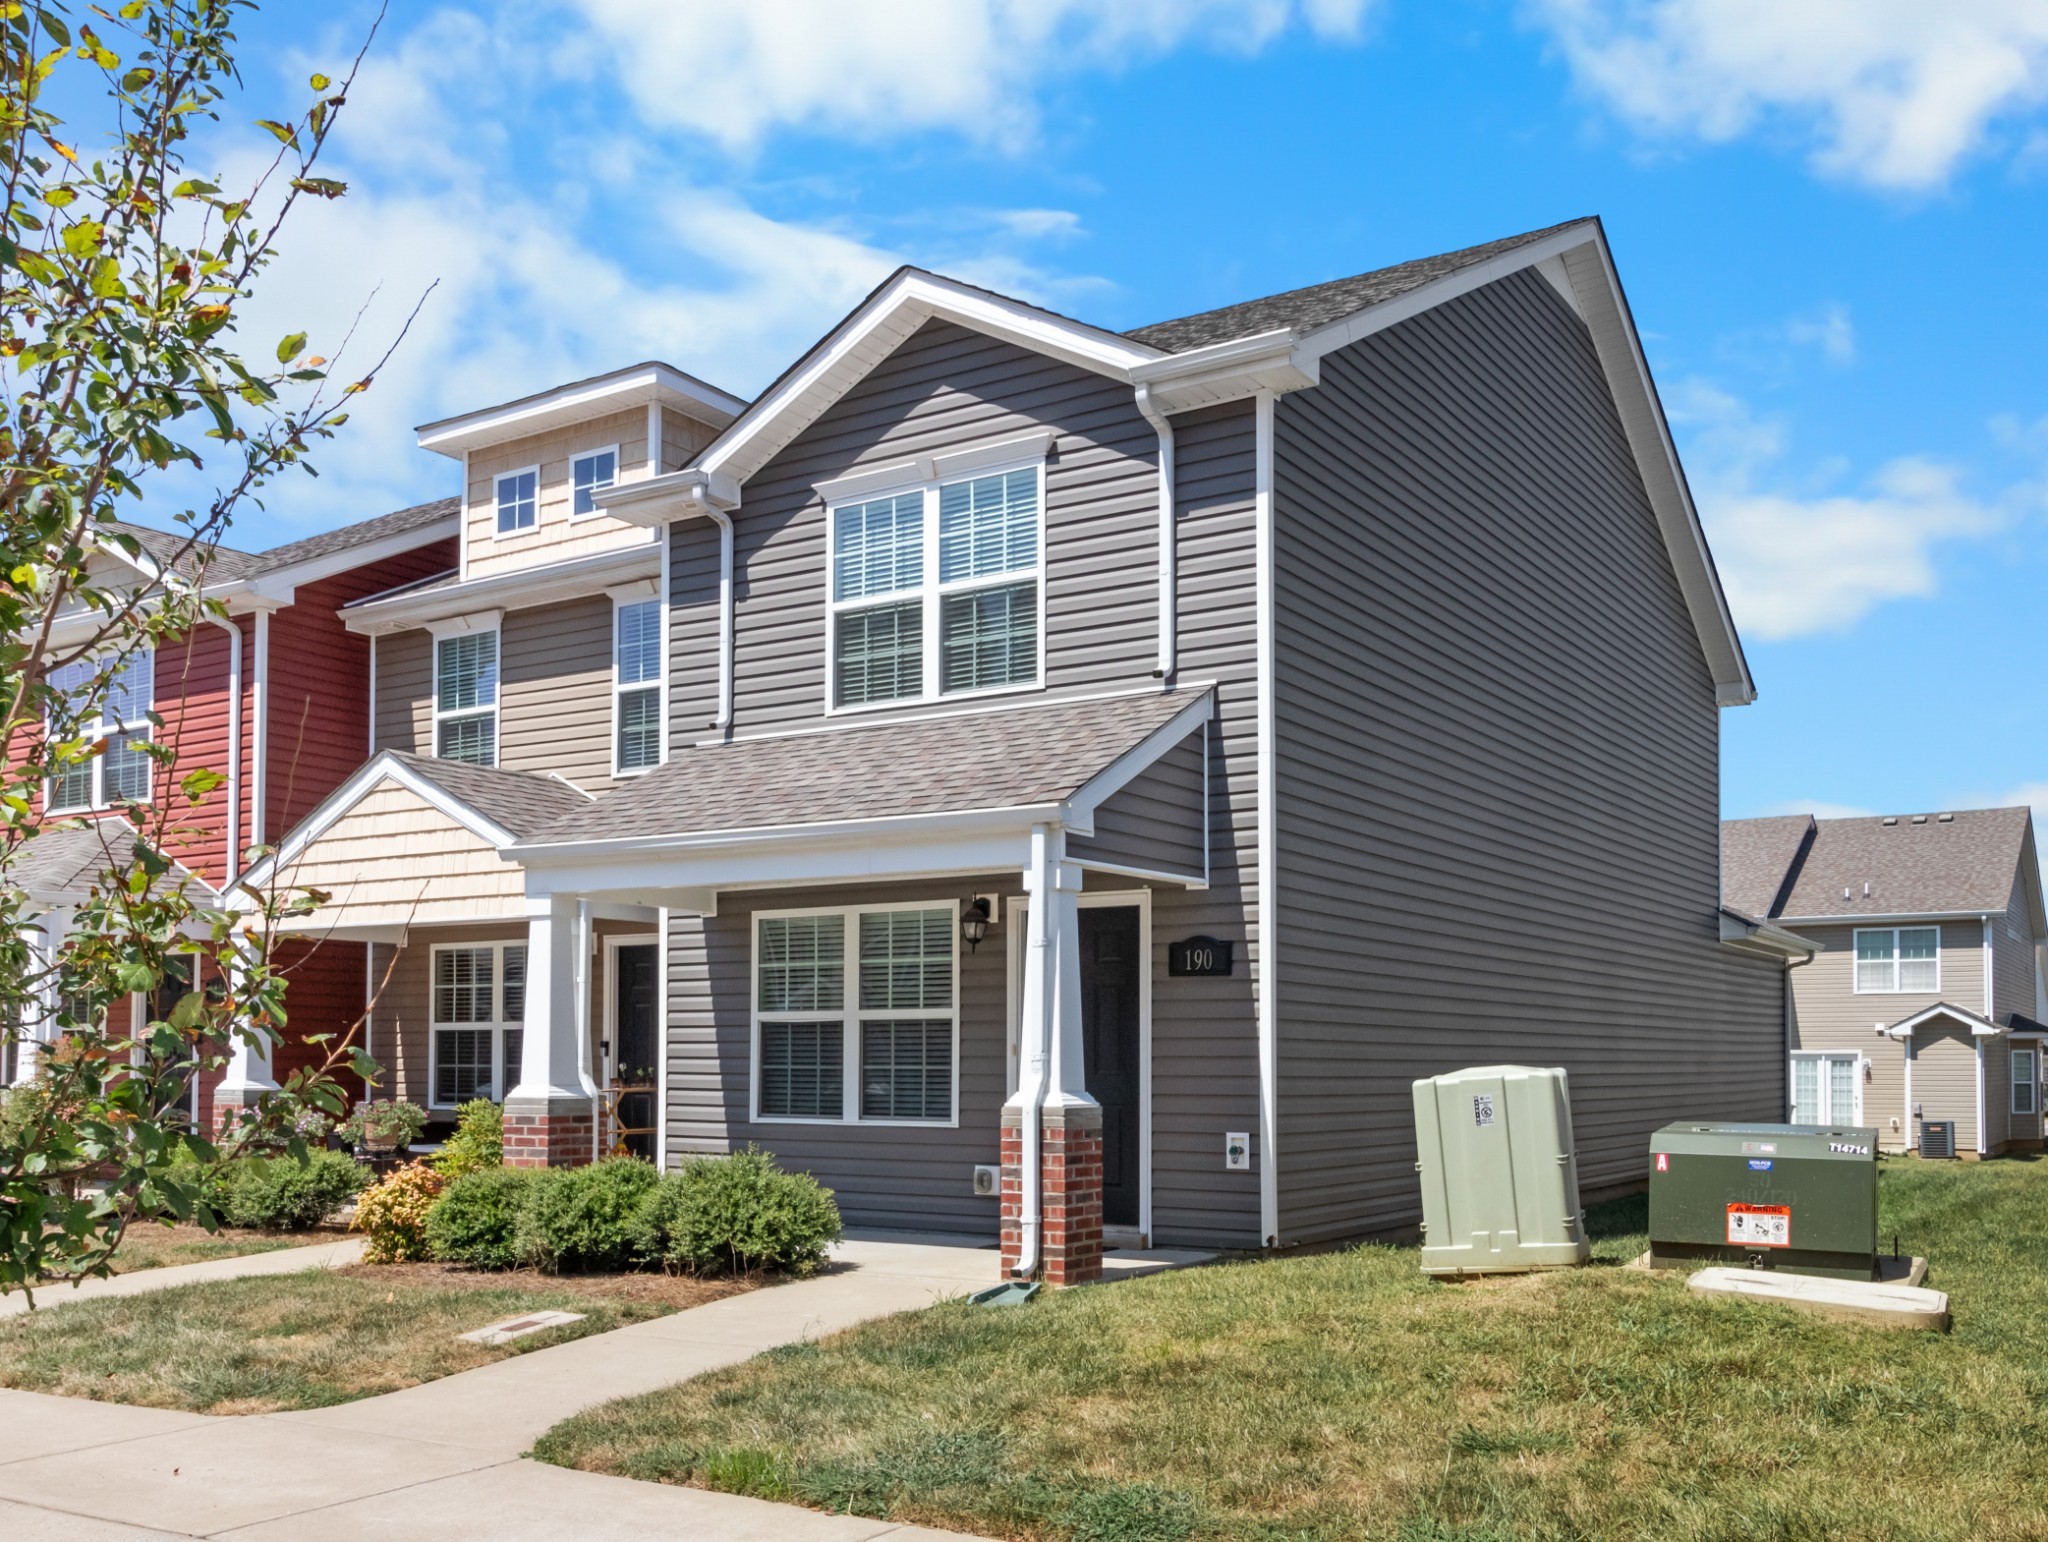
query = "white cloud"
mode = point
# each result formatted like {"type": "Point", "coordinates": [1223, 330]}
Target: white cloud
{"type": "Point", "coordinates": [1829, 329]}
{"type": "Point", "coordinates": [736, 70]}
{"type": "Point", "coordinates": [1804, 559]}
{"type": "Point", "coordinates": [1820, 808]}
{"type": "Point", "coordinates": [1893, 93]}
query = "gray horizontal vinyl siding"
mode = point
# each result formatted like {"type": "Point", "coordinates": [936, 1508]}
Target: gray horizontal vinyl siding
{"type": "Point", "coordinates": [1156, 822]}
{"type": "Point", "coordinates": [1830, 1014]}
{"type": "Point", "coordinates": [946, 388]}
{"type": "Point", "coordinates": [1497, 748]}
{"type": "Point", "coordinates": [554, 691]}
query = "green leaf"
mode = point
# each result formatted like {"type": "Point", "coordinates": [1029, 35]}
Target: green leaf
{"type": "Point", "coordinates": [137, 78]}
{"type": "Point", "coordinates": [55, 28]}
{"type": "Point", "coordinates": [199, 783]}
{"type": "Point", "coordinates": [282, 134]}
{"type": "Point", "coordinates": [291, 348]}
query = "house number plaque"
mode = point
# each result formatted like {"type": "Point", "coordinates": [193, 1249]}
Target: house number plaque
{"type": "Point", "coordinates": [1198, 955]}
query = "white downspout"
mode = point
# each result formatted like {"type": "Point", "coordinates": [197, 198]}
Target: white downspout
{"type": "Point", "coordinates": [259, 737]}
{"type": "Point", "coordinates": [1268, 1004]}
{"type": "Point", "coordinates": [234, 833]}
{"type": "Point", "coordinates": [1990, 1016]}
{"type": "Point", "coordinates": [723, 721]}
{"type": "Point", "coordinates": [1169, 623]}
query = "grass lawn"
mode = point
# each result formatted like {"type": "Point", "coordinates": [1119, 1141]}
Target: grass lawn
{"type": "Point", "coordinates": [308, 1340]}
{"type": "Point", "coordinates": [1343, 1395]}
{"type": "Point", "coordinates": [162, 1247]}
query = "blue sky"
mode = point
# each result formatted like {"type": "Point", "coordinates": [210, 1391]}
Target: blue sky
{"type": "Point", "coordinates": [1830, 228]}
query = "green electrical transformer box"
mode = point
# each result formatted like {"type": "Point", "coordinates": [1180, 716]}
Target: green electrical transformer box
{"type": "Point", "coordinates": [1500, 1181]}
{"type": "Point", "coordinates": [1796, 1197]}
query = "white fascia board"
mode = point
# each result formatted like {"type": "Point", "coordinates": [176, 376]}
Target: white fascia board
{"type": "Point", "coordinates": [1113, 777]}
{"type": "Point", "coordinates": [1225, 372]}
{"type": "Point", "coordinates": [1894, 918]}
{"type": "Point", "coordinates": [520, 589]}
{"type": "Point", "coordinates": [383, 767]}
{"type": "Point", "coordinates": [1581, 250]}
{"type": "Point", "coordinates": [937, 852]}
{"type": "Point", "coordinates": [1980, 1027]}
{"type": "Point", "coordinates": [623, 851]}
{"type": "Point", "coordinates": [899, 308]}
{"type": "Point", "coordinates": [559, 408]}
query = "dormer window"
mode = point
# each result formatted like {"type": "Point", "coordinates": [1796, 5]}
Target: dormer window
{"type": "Point", "coordinates": [937, 591]}
{"type": "Point", "coordinates": [588, 473]}
{"type": "Point", "coordinates": [518, 501]}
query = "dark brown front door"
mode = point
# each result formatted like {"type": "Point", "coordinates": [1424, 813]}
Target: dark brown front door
{"type": "Point", "coordinates": [1110, 995]}
{"type": "Point", "coordinates": [636, 1056]}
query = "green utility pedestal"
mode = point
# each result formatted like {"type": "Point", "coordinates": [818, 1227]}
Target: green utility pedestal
{"type": "Point", "coordinates": [1771, 1196]}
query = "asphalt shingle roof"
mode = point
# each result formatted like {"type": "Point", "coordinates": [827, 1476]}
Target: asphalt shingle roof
{"type": "Point", "coordinates": [1304, 310]}
{"type": "Point", "coordinates": [61, 861]}
{"type": "Point", "coordinates": [1756, 860]}
{"type": "Point", "coordinates": [520, 801]}
{"type": "Point", "coordinates": [226, 562]}
{"type": "Point", "coordinates": [1914, 864]}
{"type": "Point", "coordinates": [983, 760]}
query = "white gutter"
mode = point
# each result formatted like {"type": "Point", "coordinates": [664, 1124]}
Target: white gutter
{"type": "Point", "coordinates": [1169, 624]}
{"type": "Point", "coordinates": [234, 831]}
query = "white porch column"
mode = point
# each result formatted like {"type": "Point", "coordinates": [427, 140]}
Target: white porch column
{"type": "Point", "coordinates": [250, 1073]}
{"type": "Point", "coordinates": [1052, 1128]}
{"type": "Point", "coordinates": [549, 1116]}
{"type": "Point", "coordinates": [45, 942]}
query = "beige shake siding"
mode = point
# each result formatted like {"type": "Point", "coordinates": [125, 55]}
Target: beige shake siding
{"type": "Point", "coordinates": [395, 860]}
{"type": "Point", "coordinates": [554, 691]}
{"type": "Point", "coordinates": [556, 536]}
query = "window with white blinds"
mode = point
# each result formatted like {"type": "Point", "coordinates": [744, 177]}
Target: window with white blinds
{"type": "Point", "coordinates": [466, 697]}
{"type": "Point", "coordinates": [937, 591]}
{"type": "Point", "coordinates": [636, 685]}
{"type": "Point", "coordinates": [106, 700]}
{"type": "Point", "coordinates": [476, 1019]}
{"type": "Point", "coordinates": [1898, 959]}
{"type": "Point", "coordinates": [883, 1050]}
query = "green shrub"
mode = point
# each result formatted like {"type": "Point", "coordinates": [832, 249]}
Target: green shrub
{"type": "Point", "coordinates": [737, 1212]}
{"type": "Point", "coordinates": [392, 1215]}
{"type": "Point", "coordinates": [478, 1141]}
{"type": "Point", "coordinates": [581, 1218]}
{"type": "Point", "coordinates": [476, 1219]}
{"type": "Point", "coordinates": [278, 1194]}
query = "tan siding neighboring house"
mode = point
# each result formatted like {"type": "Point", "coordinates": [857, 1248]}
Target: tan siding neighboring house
{"type": "Point", "coordinates": [557, 535]}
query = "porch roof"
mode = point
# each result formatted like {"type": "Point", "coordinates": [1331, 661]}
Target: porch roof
{"type": "Point", "coordinates": [1980, 1027]}
{"type": "Point", "coordinates": [1037, 756]}
{"type": "Point", "coordinates": [59, 865]}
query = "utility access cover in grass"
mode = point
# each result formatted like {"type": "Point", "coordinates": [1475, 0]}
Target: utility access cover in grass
{"type": "Point", "coordinates": [518, 1327]}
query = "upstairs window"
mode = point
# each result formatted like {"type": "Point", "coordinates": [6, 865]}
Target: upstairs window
{"type": "Point", "coordinates": [122, 774]}
{"type": "Point", "coordinates": [588, 473]}
{"type": "Point", "coordinates": [636, 686]}
{"type": "Point", "coordinates": [1898, 960]}
{"type": "Point", "coordinates": [466, 698]}
{"type": "Point", "coordinates": [936, 592]}
{"type": "Point", "coordinates": [518, 501]}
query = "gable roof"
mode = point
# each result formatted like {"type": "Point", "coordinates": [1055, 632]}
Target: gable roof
{"type": "Point", "coordinates": [1961, 863]}
{"type": "Point", "coordinates": [59, 864]}
{"type": "Point", "coordinates": [966, 763]}
{"type": "Point", "coordinates": [223, 564]}
{"type": "Point", "coordinates": [1306, 310]}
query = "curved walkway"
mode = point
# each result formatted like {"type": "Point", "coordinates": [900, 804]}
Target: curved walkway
{"type": "Point", "coordinates": [445, 1457]}
{"type": "Point", "coordinates": [315, 1255]}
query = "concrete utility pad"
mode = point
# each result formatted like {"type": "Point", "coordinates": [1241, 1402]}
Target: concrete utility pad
{"type": "Point", "coordinates": [1867, 1302]}
{"type": "Point", "coordinates": [518, 1327]}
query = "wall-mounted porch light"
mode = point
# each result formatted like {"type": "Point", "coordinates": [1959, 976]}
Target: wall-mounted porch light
{"type": "Point", "coordinates": [974, 922]}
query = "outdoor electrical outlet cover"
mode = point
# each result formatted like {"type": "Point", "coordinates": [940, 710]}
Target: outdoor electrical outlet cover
{"type": "Point", "coordinates": [1237, 1151]}
{"type": "Point", "coordinates": [518, 1327]}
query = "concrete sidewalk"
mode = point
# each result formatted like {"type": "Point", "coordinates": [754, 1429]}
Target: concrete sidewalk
{"type": "Point", "coordinates": [445, 1456]}
{"type": "Point", "coordinates": [315, 1255]}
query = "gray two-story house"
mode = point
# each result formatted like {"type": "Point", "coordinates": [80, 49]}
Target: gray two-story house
{"type": "Point", "coordinates": [1921, 1013]}
{"type": "Point", "coordinates": [1098, 771]}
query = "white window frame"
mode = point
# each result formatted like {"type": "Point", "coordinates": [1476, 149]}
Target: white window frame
{"type": "Point", "coordinates": [497, 706]}
{"type": "Point", "coordinates": [100, 726]}
{"type": "Point", "coordinates": [2032, 1083]}
{"type": "Point", "coordinates": [582, 455]}
{"type": "Point", "coordinates": [496, 1026]}
{"type": "Point", "coordinates": [659, 684]}
{"type": "Point", "coordinates": [849, 1016]}
{"type": "Point", "coordinates": [1822, 1057]}
{"type": "Point", "coordinates": [498, 532]}
{"type": "Point", "coordinates": [930, 592]}
{"type": "Point", "coordinates": [1856, 985]}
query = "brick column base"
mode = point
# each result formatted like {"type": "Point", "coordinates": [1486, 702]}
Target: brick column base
{"type": "Point", "coordinates": [548, 1132]}
{"type": "Point", "coordinates": [1070, 1195]}
{"type": "Point", "coordinates": [229, 1106]}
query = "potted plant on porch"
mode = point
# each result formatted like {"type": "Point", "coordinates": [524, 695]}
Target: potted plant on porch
{"type": "Point", "coordinates": [384, 1127]}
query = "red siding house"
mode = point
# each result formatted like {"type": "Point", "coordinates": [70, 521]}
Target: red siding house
{"type": "Point", "coordinates": [276, 698]}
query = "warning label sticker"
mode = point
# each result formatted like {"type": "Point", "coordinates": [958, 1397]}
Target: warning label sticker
{"type": "Point", "coordinates": [1760, 1226]}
